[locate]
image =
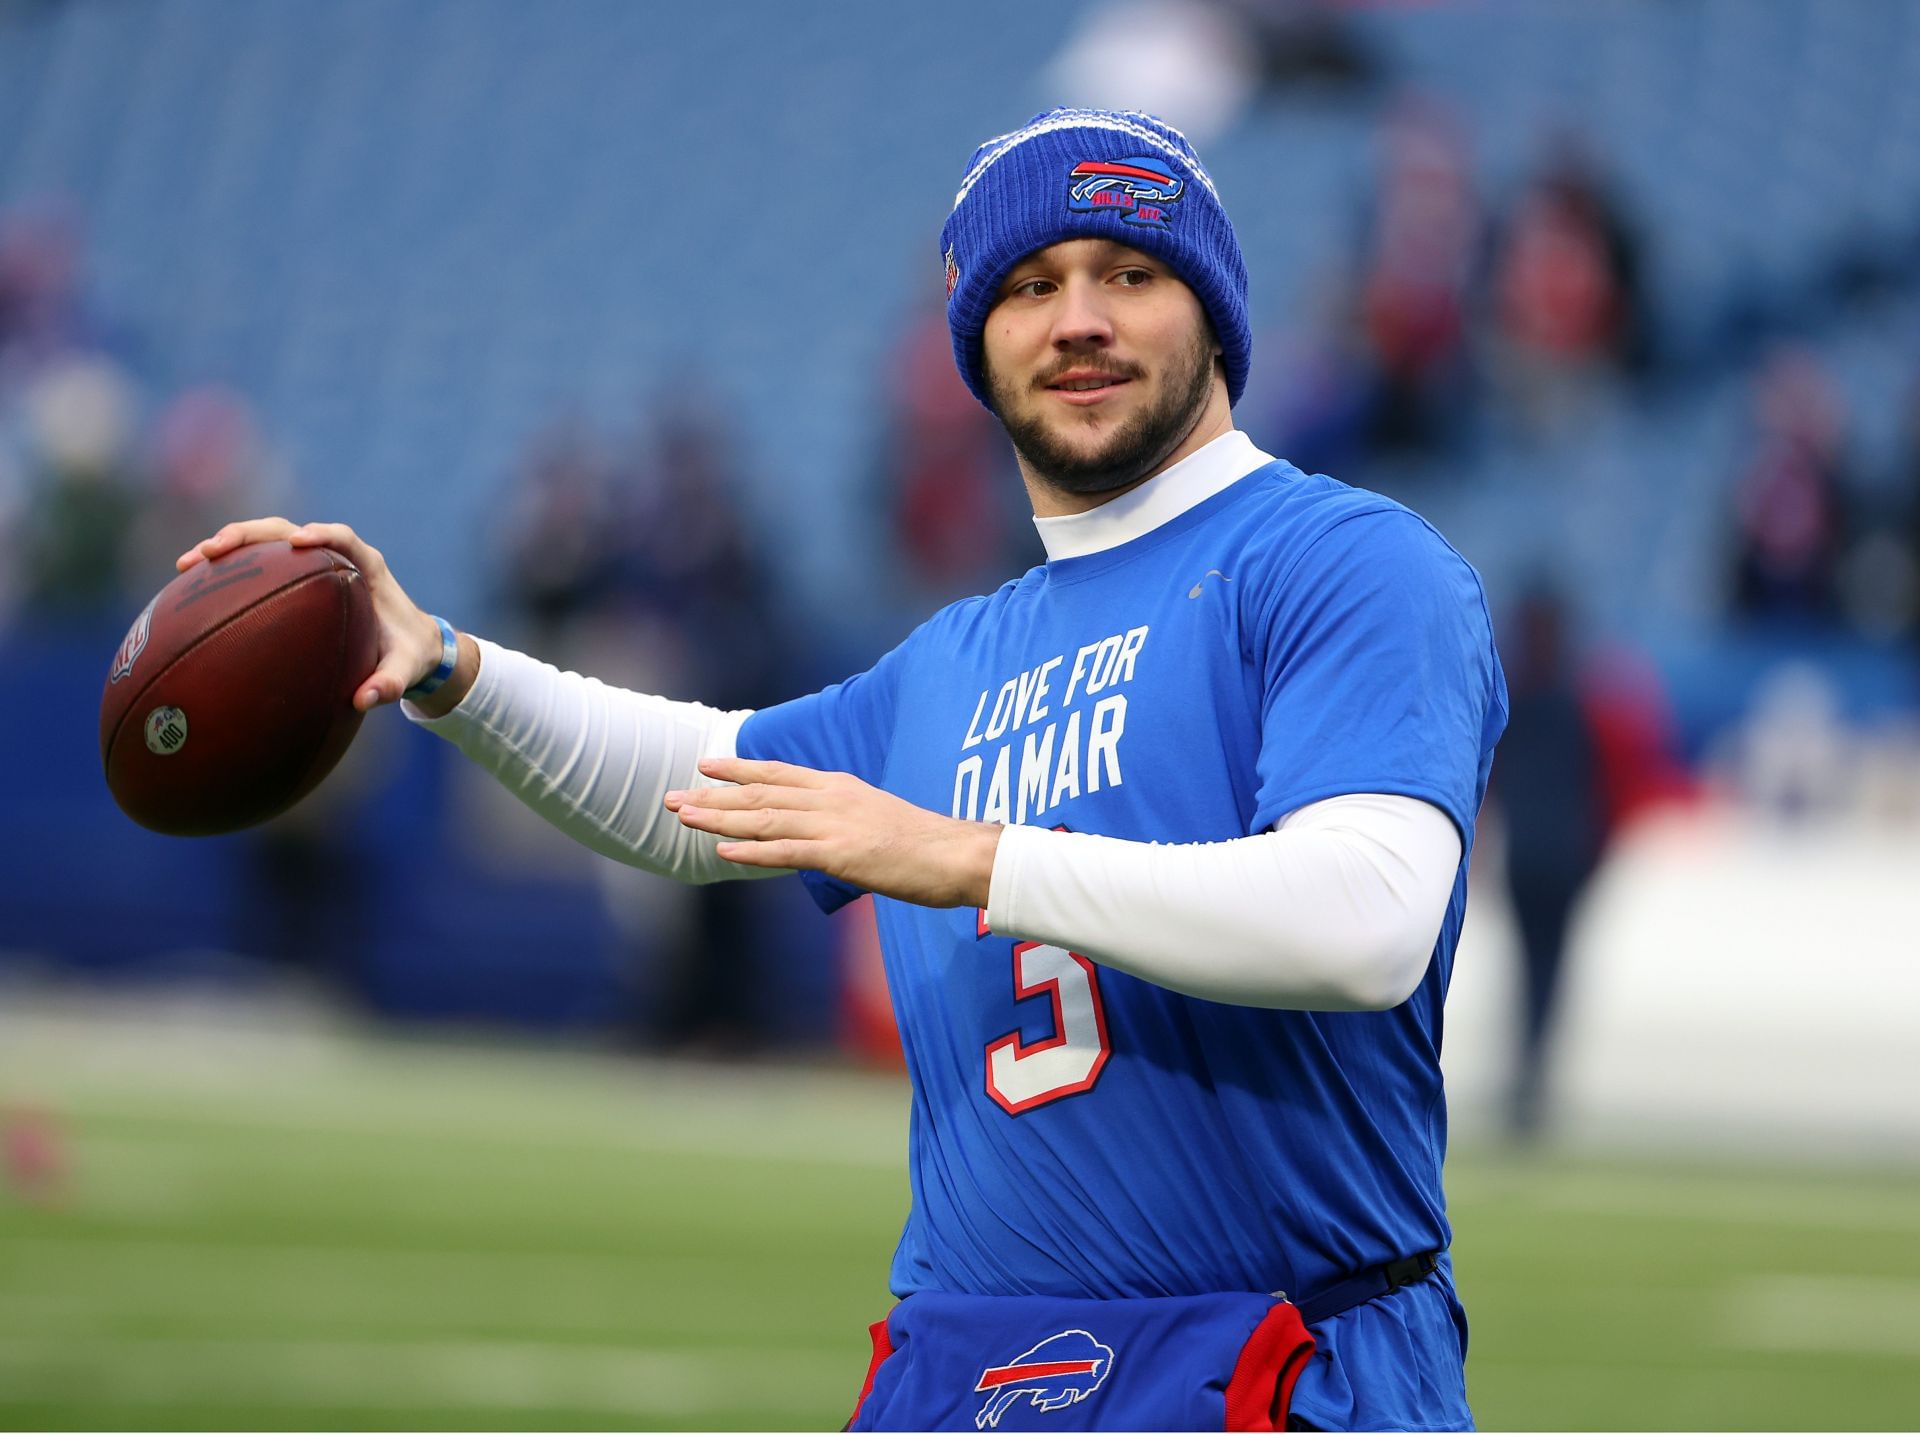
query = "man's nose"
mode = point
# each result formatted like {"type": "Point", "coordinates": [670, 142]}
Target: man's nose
{"type": "Point", "coordinates": [1082, 319]}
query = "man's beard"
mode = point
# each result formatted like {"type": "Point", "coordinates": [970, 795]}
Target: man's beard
{"type": "Point", "coordinates": [1134, 449]}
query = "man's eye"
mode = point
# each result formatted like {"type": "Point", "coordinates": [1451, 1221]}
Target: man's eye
{"type": "Point", "coordinates": [1134, 278]}
{"type": "Point", "coordinates": [1033, 288]}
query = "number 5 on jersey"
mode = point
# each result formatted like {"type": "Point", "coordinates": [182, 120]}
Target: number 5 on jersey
{"type": "Point", "coordinates": [1021, 1077]}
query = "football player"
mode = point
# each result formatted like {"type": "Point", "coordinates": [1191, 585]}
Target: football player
{"type": "Point", "coordinates": [1168, 839]}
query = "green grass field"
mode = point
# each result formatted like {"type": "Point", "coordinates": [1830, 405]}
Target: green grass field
{"type": "Point", "coordinates": [284, 1228]}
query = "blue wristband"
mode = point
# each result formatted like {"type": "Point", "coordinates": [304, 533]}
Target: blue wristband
{"type": "Point", "coordinates": [436, 679]}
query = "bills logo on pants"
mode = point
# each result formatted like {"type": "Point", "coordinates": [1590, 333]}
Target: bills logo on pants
{"type": "Point", "coordinates": [1060, 1370]}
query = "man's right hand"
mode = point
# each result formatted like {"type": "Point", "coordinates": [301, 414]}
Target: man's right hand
{"type": "Point", "coordinates": [409, 638]}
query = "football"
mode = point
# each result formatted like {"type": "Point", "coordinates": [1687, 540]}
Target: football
{"type": "Point", "coordinates": [231, 697]}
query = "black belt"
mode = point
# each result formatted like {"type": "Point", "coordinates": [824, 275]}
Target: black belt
{"type": "Point", "coordinates": [1367, 1285]}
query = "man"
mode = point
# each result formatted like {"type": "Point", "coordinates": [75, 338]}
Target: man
{"type": "Point", "coordinates": [1168, 839]}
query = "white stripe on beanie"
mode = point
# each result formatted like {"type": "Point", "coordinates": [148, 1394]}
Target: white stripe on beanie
{"type": "Point", "coordinates": [1120, 121]}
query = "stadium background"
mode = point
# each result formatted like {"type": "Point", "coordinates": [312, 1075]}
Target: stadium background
{"type": "Point", "coordinates": [617, 327]}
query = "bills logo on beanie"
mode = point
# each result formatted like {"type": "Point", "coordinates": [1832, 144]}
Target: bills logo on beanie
{"type": "Point", "coordinates": [1091, 174]}
{"type": "Point", "coordinates": [1140, 187]}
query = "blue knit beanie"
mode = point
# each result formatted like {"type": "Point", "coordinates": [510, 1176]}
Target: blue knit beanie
{"type": "Point", "coordinates": [1091, 174]}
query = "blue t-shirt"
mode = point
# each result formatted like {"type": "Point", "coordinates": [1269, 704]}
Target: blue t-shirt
{"type": "Point", "coordinates": [1078, 1131]}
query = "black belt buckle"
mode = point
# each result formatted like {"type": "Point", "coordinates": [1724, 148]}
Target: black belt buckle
{"type": "Point", "coordinates": [1407, 1271]}
{"type": "Point", "coordinates": [1368, 1285]}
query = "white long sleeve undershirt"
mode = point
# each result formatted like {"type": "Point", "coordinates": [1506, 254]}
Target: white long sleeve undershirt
{"type": "Point", "coordinates": [595, 761]}
{"type": "Point", "coordinates": [1337, 908]}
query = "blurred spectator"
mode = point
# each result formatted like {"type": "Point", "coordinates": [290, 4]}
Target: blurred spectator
{"type": "Point", "coordinates": [15, 495]}
{"type": "Point", "coordinates": [1321, 389]}
{"type": "Point", "coordinates": [1634, 735]}
{"type": "Point", "coordinates": [1791, 756]}
{"type": "Point", "coordinates": [1789, 506]}
{"type": "Point", "coordinates": [1548, 784]}
{"type": "Point", "coordinates": [35, 1154]}
{"type": "Point", "coordinates": [639, 567]}
{"type": "Point", "coordinates": [207, 463]}
{"type": "Point", "coordinates": [307, 897]}
{"type": "Point", "coordinates": [1309, 42]}
{"type": "Point", "coordinates": [652, 541]}
{"type": "Point", "coordinates": [41, 313]}
{"type": "Point", "coordinates": [1381, 368]}
{"type": "Point", "coordinates": [1880, 574]}
{"type": "Point", "coordinates": [84, 497]}
{"type": "Point", "coordinates": [684, 555]}
{"type": "Point", "coordinates": [1880, 580]}
{"type": "Point", "coordinates": [1566, 292]}
{"type": "Point", "coordinates": [1909, 461]}
{"type": "Point", "coordinates": [946, 476]}
{"type": "Point", "coordinates": [867, 1029]}
{"type": "Point", "coordinates": [1202, 64]}
{"type": "Point", "coordinates": [70, 491]}
{"type": "Point", "coordinates": [689, 562]}
{"type": "Point", "coordinates": [1193, 62]}
{"type": "Point", "coordinates": [558, 531]}
{"type": "Point", "coordinates": [1909, 488]}
{"type": "Point", "coordinates": [1424, 240]}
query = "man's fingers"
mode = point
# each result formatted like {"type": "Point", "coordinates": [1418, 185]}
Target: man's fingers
{"type": "Point", "coordinates": [384, 685]}
{"type": "Point", "coordinates": [757, 824]}
{"type": "Point", "coordinates": [778, 774]}
{"type": "Point", "coordinates": [343, 540]}
{"type": "Point", "coordinates": [782, 855]}
{"type": "Point", "coordinates": [337, 536]}
{"type": "Point", "coordinates": [740, 799]}
{"type": "Point", "coordinates": [235, 535]}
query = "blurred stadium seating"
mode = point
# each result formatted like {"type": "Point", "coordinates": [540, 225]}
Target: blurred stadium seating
{"type": "Point", "coordinates": [412, 236]}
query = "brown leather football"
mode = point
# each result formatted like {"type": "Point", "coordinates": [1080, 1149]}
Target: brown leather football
{"type": "Point", "coordinates": [232, 694]}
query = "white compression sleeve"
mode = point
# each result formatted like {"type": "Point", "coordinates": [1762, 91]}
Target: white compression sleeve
{"type": "Point", "coordinates": [1336, 909]}
{"type": "Point", "coordinates": [596, 761]}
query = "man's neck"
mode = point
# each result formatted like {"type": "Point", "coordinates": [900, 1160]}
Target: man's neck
{"type": "Point", "coordinates": [1191, 481]}
{"type": "Point", "coordinates": [1215, 420]}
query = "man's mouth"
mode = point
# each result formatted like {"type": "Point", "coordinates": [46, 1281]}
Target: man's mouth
{"type": "Point", "coordinates": [1085, 386]}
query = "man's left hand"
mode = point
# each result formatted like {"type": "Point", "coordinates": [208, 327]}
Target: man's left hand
{"type": "Point", "coordinates": [780, 815]}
